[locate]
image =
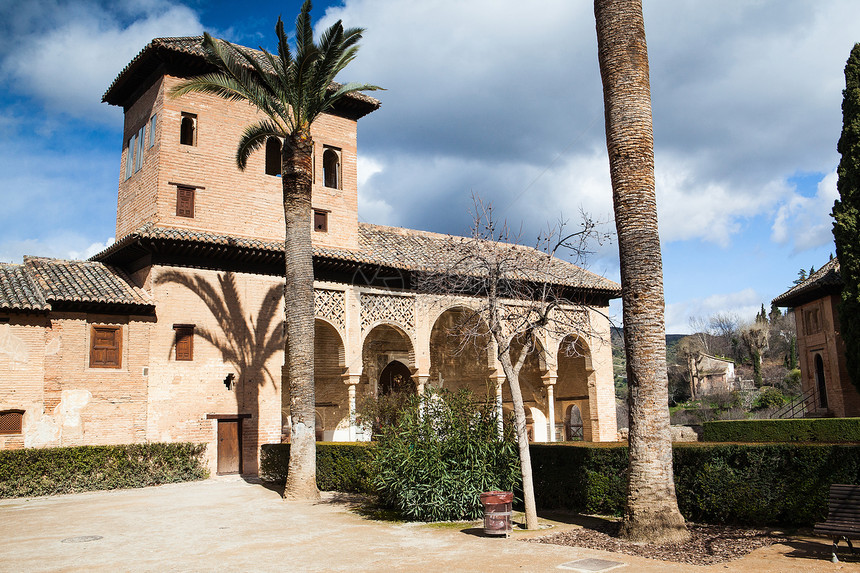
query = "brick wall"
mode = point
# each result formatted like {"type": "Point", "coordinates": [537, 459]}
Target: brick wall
{"type": "Point", "coordinates": [228, 201]}
{"type": "Point", "coordinates": [22, 369]}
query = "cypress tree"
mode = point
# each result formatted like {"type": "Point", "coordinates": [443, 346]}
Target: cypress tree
{"type": "Point", "coordinates": [846, 215]}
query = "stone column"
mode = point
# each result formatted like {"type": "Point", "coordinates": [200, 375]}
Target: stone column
{"type": "Point", "coordinates": [549, 380]}
{"type": "Point", "coordinates": [351, 380]}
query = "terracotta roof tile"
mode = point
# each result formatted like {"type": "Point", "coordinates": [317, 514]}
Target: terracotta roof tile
{"type": "Point", "coordinates": [390, 247]}
{"type": "Point", "coordinates": [84, 282]}
{"type": "Point", "coordinates": [193, 46]}
{"type": "Point", "coordinates": [18, 291]}
{"type": "Point", "coordinates": [824, 280]}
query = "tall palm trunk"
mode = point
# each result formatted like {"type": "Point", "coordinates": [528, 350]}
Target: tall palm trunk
{"type": "Point", "coordinates": [299, 310]}
{"type": "Point", "coordinates": [652, 509]}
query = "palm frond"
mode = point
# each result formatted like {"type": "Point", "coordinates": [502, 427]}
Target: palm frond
{"type": "Point", "coordinates": [253, 138]}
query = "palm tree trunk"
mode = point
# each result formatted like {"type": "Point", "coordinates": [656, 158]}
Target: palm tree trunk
{"type": "Point", "coordinates": [299, 310]}
{"type": "Point", "coordinates": [652, 512]}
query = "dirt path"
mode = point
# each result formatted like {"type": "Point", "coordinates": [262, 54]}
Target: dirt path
{"type": "Point", "coordinates": [229, 524]}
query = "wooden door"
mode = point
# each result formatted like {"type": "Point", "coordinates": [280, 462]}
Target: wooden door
{"type": "Point", "coordinates": [229, 447]}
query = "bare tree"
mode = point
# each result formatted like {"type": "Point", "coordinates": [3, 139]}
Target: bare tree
{"type": "Point", "coordinates": [517, 295]}
{"type": "Point", "coordinates": [700, 329]}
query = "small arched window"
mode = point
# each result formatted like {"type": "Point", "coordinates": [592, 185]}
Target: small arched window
{"type": "Point", "coordinates": [273, 156]}
{"type": "Point", "coordinates": [188, 129]}
{"type": "Point", "coordinates": [331, 168]}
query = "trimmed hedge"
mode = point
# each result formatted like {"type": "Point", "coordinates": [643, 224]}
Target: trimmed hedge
{"type": "Point", "coordinates": [749, 484]}
{"type": "Point", "coordinates": [792, 430]}
{"type": "Point", "coordinates": [755, 484]}
{"type": "Point", "coordinates": [49, 471]}
{"type": "Point", "coordinates": [587, 478]}
{"type": "Point", "coordinates": [340, 466]}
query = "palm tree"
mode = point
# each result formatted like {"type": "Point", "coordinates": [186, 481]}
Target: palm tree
{"type": "Point", "coordinates": [652, 512]}
{"type": "Point", "coordinates": [291, 92]}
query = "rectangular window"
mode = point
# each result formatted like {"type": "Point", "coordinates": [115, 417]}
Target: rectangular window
{"type": "Point", "coordinates": [129, 157]}
{"type": "Point", "coordinates": [11, 421]}
{"type": "Point", "coordinates": [184, 341]}
{"type": "Point", "coordinates": [152, 130]}
{"type": "Point", "coordinates": [188, 129]}
{"type": "Point", "coordinates": [321, 221]}
{"type": "Point", "coordinates": [141, 144]}
{"type": "Point", "coordinates": [106, 347]}
{"type": "Point", "coordinates": [185, 201]}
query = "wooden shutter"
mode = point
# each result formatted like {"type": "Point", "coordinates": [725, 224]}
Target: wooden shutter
{"type": "Point", "coordinates": [106, 347]}
{"type": "Point", "coordinates": [185, 201]}
{"type": "Point", "coordinates": [10, 421]}
{"type": "Point", "coordinates": [321, 221]}
{"type": "Point", "coordinates": [184, 342]}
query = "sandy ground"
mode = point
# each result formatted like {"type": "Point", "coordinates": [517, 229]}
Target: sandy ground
{"type": "Point", "coordinates": [227, 523]}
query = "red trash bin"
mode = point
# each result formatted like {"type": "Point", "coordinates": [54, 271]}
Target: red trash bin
{"type": "Point", "coordinates": [497, 512]}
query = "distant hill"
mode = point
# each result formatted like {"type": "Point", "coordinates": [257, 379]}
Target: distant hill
{"type": "Point", "coordinates": [618, 339]}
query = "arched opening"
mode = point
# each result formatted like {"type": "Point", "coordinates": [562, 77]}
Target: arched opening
{"type": "Point", "coordinates": [273, 156]}
{"type": "Point", "coordinates": [820, 382]}
{"type": "Point", "coordinates": [331, 168]}
{"type": "Point", "coordinates": [382, 346]}
{"type": "Point", "coordinates": [459, 342]}
{"type": "Point", "coordinates": [571, 389]}
{"type": "Point", "coordinates": [332, 395]}
{"type": "Point", "coordinates": [188, 129]}
{"type": "Point", "coordinates": [396, 377]}
{"type": "Point", "coordinates": [573, 424]}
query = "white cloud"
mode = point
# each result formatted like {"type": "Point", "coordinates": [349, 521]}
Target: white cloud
{"type": "Point", "coordinates": [69, 56]}
{"type": "Point", "coordinates": [63, 245]}
{"type": "Point", "coordinates": [744, 94]}
{"type": "Point", "coordinates": [745, 304]}
{"type": "Point", "coordinates": [805, 222]}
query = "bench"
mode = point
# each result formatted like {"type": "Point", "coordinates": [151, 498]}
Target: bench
{"type": "Point", "coordinates": [843, 516]}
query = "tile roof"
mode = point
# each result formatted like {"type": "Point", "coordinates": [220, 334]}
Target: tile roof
{"type": "Point", "coordinates": [41, 283]}
{"type": "Point", "coordinates": [391, 247]}
{"type": "Point", "coordinates": [18, 291]}
{"type": "Point", "coordinates": [192, 46]}
{"type": "Point", "coordinates": [825, 280]}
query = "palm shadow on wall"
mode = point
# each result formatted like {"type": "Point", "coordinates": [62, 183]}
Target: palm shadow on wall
{"type": "Point", "coordinates": [247, 340]}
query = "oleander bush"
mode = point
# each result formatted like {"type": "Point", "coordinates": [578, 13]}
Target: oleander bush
{"type": "Point", "coordinates": [792, 430]}
{"type": "Point", "coordinates": [443, 452]}
{"type": "Point", "coordinates": [49, 471]}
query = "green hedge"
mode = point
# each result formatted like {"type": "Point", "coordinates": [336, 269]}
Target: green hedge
{"type": "Point", "coordinates": [756, 484]}
{"type": "Point", "coordinates": [797, 430]}
{"type": "Point", "coordinates": [587, 478]}
{"type": "Point", "coordinates": [340, 466]}
{"type": "Point", "coordinates": [750, 484]}
{"type": "Point", "coordinates": [48, 471]}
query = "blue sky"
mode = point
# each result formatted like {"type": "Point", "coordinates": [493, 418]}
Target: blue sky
{"type": "Point", "coordinates": [484, 97]}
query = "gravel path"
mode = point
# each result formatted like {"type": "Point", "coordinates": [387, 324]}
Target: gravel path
{"type": "Point", "coordinates": [708, 544]}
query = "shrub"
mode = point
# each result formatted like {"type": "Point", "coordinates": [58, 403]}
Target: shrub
{"type": "Point", "coordinates": [340, 467]}
{"type": "Point", "coordinates": [750, 484]}
{"type": "Point", "coordinates": [48, 471]}
{"type": "Point", "coordinates": [434, 463]}
{"type": "Point", "coordinates": [770, 399]}
{"type": "Point", "coordinates": [797, 430]}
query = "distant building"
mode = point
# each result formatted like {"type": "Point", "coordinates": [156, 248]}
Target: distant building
{"type": "Point", "coordinates": [174, 333]}
{"type": "Point", "coordinates": [820, 349]}
{"type": "Point", "coordinates": [711, 375]}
